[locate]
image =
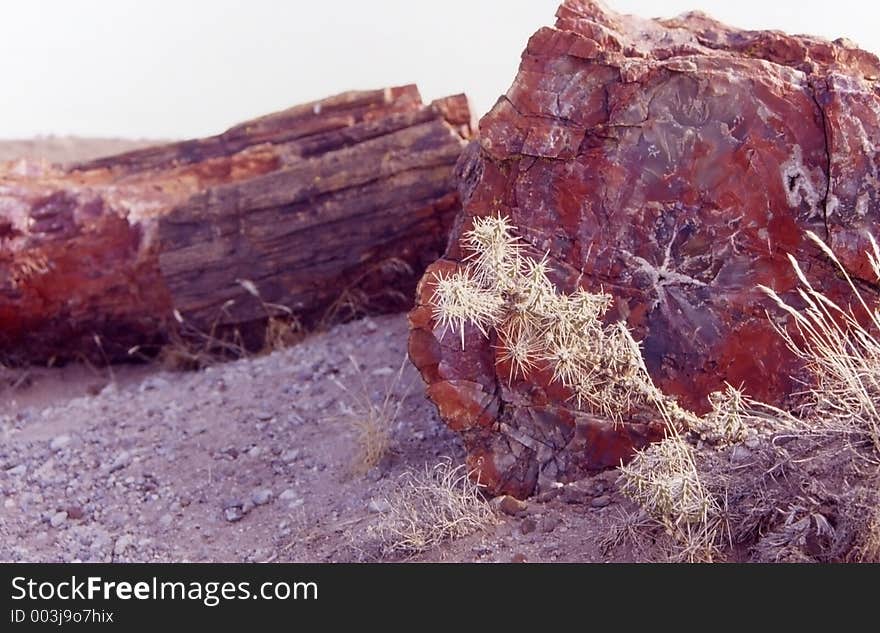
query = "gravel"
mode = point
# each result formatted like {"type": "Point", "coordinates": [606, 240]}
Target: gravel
{"type": "Point", "coordinates": [146, 465]}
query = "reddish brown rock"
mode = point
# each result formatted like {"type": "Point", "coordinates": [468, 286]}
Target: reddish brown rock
{"type": "Point", "coordinates": [310, 204]}
{"type": "Point", "coordinates": [674, 164]}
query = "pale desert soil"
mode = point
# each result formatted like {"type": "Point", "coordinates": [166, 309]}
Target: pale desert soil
{"type": "Point", "coordinates": [243, 461]}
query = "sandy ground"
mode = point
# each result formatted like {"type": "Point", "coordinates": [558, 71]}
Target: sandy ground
{"type": "Point", "coordinates": [244, 461]}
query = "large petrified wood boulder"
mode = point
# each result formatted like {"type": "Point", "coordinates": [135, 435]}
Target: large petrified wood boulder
{"type": "Point", "coordinates": [353, 194]}
{"type": "Point", "coordinates": [674, 164]}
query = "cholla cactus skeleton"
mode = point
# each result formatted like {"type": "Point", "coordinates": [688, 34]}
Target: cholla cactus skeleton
{"type": "Point", "coordinates": [725, 424]}
{"type": "Point", "coordinates": [663, 479]}
{"type": "Point", "coordinates": [500, 288]}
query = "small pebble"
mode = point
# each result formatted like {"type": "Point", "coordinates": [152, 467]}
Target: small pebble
{"type": "Point", "coordinates": [261, 497]}
{"type": "Point", "coordinates": [233, 514]}
{"type": "Point", "coordinates": [59, 442]}
{"type": "Point", "coordinates": [549, 495]}
{"type": "Point", "coordinates": [122, 544]}
{"type": "Point", "coordinates": [601, 502]}
{"type": "Point", "coordinates": [122, 460]}
{"type": "Point", "coordinates": [288, 495]}
{"type": "Point", "coordinates": [548, 524]}
{"type": "Point", "coordinates": [511, 505]}
{"type": "Point", "coordinates": [75, 512]}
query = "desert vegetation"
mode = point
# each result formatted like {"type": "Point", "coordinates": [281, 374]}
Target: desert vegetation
{"type": "Point", "coordinates": [371, 415]}
{"type": "Point", "coordinates": [424, 508]}
{"type": "Point", "coordinates": [746, 474]}
{"type": "Point", "coordinates": [504, 289]}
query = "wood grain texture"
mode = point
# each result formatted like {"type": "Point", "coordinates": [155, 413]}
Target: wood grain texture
{"type": "Point", "coordinates": [349, 195]}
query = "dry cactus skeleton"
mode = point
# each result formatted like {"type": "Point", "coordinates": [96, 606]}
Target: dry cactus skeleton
{"type": "Point", "coordinates": [502, 288]}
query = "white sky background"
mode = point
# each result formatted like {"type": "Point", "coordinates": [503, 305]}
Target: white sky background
{"type": "Point", "coordinates": [185, 68]}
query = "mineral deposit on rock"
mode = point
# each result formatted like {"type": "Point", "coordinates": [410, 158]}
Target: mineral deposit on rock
{"type": "Point", "coordinates": [674, 164]}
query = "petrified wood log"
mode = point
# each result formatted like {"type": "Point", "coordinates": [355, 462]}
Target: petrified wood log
{"type": "Point", "coordinates": [674, 164]}
{"type": "Point", "coordinates": [308, 204]}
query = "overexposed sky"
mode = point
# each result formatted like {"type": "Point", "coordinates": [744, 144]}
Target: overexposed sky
{"type": "Point", "coordinates": [185, 68]}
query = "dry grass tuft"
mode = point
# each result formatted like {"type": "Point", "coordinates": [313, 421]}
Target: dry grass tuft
{"type": "Point", "coordinates": [646, 538]}
{"type": "Point", "coordinates": [190, 347]}
{"type": "Point", "coordinates": [12, 381]}
{"type": "Point", "coordinates": [368, 291]}
{"type": "Point", "coordinates": [426, 508]}
{"type": "Point", "coordinates": [842, 354]}
{"type": "Point", "coordinates": [283, 328]}
{"type": "Point", "coordinates": [868, 549]}
{"type": "Point", "coordinates": [372, 419]}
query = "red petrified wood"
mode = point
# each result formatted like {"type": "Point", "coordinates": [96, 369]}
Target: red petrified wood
{"type": "Point", "coordinates": [674, 164]}
{"type": "Point", "coordinates": [309, 204]}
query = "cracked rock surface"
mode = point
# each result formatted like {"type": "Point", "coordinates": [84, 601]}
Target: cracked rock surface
{"type": "Point", "coordinates": [674, 164]}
